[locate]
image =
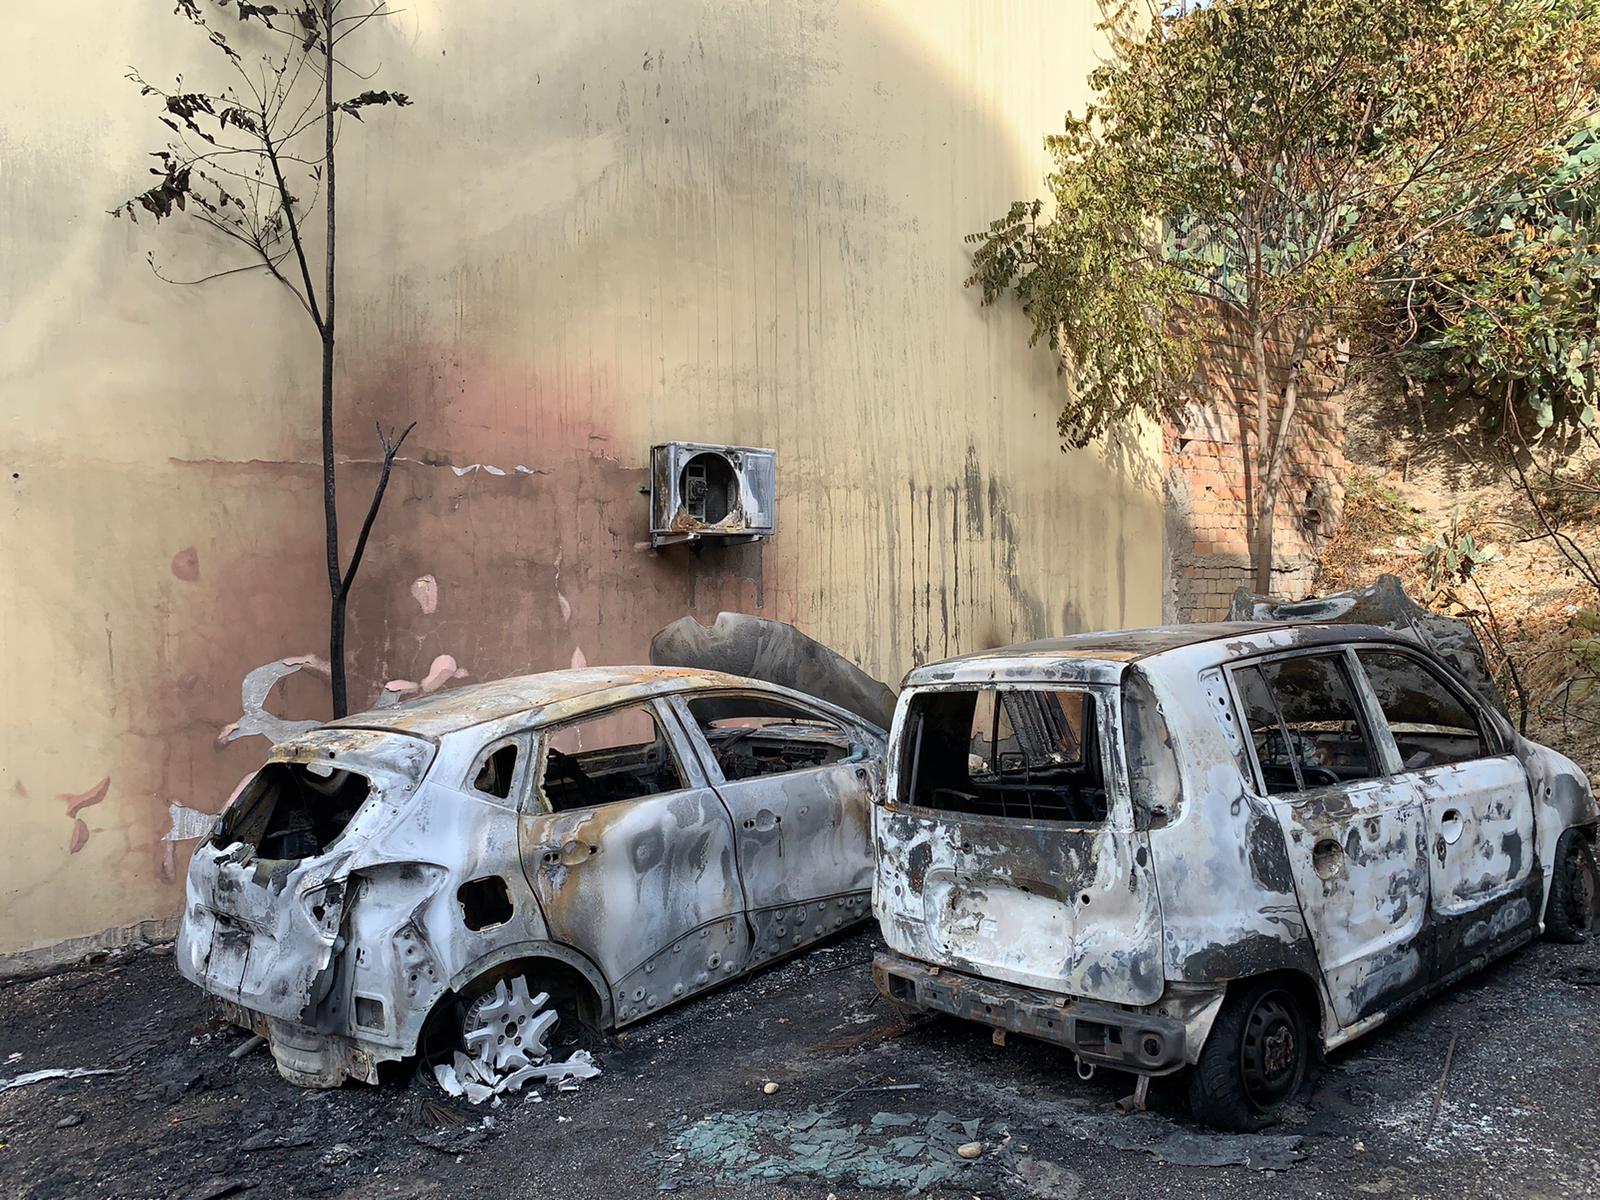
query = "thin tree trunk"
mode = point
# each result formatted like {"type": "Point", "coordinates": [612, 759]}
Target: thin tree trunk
{"type": "Point", "coordinates": [1275, 453]}
{"type": "Point", "coordinates": [330, 509]}
{"type": "Point", "coordinates": [1258, 355]}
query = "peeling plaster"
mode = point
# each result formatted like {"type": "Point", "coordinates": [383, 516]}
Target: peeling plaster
{"type": "Point", "coordinates": [425, 591]}
{"type": "Point", "coordinates": [444, 670]}
{"type": "Point", "coordinates": [473, 468]}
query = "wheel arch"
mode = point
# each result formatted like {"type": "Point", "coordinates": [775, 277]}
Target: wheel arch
{"type": "Point", "coordinates": [569, 972]}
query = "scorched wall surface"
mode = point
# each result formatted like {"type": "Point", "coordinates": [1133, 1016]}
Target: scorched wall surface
{"type": "Point", "coordinates": [598, 226]}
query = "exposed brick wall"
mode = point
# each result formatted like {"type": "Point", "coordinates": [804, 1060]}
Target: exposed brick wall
{"type": "Point", "coordinates": [1209, 497]}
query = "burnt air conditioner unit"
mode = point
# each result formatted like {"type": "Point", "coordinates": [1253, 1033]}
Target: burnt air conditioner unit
{"type": "Point", "coordinates": [703, 493]}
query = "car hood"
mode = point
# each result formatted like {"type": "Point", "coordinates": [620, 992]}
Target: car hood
{"type": "Point", "coordinates": [776, 653]}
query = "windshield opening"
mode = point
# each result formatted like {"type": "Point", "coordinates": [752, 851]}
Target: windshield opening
{"type": "Point", "coordinates": [1026, 753]}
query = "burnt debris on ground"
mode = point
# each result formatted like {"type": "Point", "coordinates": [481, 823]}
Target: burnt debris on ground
{"type": "Point", "coordinates": [865, 1104]}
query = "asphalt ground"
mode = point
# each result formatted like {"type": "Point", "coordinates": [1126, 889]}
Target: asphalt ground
{"type": "Point", "coordinates": [866, 1105]}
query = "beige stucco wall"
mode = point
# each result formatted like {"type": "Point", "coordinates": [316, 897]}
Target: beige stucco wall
{"type": "Point", "coordinates": [599, 226]}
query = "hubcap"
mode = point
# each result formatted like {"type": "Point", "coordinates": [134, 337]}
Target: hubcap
{"type": "Point", "coordinates": [1270, 1053]}
{"type": "Point", "coordinates": [505, 1028]}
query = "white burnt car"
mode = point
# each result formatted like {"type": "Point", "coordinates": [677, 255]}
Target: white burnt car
{"type": "Point", "coordinates": [1214, 847]}
{"type": "Point", "coordinates": [619, 838]}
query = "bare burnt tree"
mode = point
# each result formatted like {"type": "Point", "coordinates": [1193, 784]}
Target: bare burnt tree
{"type": "Point", "coordinates": [255, 163]}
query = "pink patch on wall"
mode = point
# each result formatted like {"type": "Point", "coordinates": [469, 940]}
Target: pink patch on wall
{"type": "Point", "coordinates": [84, 799]}
{"type": "Point", "coordinates": [186, 564]}
{"type": "Point", "coordinates": [426, 593]}
{"type": "Point", "coordinates": [81, 800]}
{"type": "Point", "coordinates": [444, 669]}
{"type": "Point", "coordinates": [578, 660]}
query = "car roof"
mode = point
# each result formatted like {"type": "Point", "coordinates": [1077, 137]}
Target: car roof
{"type": "Point", "coordinates": [475, 704]}
{"type": "Point", "coordinates": [1114, 649]}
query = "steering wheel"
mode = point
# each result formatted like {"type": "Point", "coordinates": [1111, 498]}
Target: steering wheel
{"type": "Point", "coordinates": [565, 766]}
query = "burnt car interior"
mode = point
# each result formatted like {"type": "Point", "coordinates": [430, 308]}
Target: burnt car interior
{"type": "Point", "coordinates": [751, 736]}
{"type": "Point", "coordinates": [619, 755]}
{"type": "Point", "coordinates": [1432, 726]}
{"type": "Point", "coordinates": [1026, 753]}
{"type": "Point", "coordinates": [1304, 721]}
{"type": "Point", "coordinates": [292, 811]}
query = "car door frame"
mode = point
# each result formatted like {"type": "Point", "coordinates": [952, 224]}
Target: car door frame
{"type": "Point", "coordinates": [645, 968]}
{"type": "Point", "coordinates": [1349, 843]}
{"type": "Point", "coordinates": [1465, 929]}
{"type": "Point", "coordinates": [832, 827]}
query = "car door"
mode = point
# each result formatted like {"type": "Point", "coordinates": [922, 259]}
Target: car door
{"type": "Point", "coordinates": [632, 858]}
{"type": "Point", "coordinates": [1475, 800]}
{"type": "Point", "coordinates": [798, 782]}
{"type": "Point", "coordinates": [1356, 837]}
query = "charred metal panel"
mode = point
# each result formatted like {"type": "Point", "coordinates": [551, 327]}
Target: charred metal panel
{"type": "Point", "coordinates": [738, 644]}
{"type": "Point", "coordinates": [1359, 856]}
{"type": "Point", "coordinates": [1067, 909]}
{"type": "Point", "coordinates": [1480, 831]}
{"type": "Point", "coordinates": [1229, 905]}
{"type": "Point", "coordinates": [632, 881]}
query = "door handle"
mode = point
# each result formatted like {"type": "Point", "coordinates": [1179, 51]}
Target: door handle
{"type": "Point", "coordinates": [568, 854]}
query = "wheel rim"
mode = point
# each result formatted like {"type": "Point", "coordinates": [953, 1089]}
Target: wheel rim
{"type": "Point", "coordinates": [1270, 1054]}
{"type": "Point", "coordinates": [505, 1028]}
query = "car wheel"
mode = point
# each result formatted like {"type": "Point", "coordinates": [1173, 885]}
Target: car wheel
{"type": "Point", "coordinates": [1574, 906]}
{"type": "Point", "coordinates": [1254, 1061]}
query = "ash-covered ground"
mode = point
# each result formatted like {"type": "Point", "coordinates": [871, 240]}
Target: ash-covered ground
{"type": "Point", "coordinates": [865, 1105]}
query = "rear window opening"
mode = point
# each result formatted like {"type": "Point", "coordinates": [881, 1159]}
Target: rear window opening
{"type": "Point", "coordinates": [1026, 753]}
{"type": "Point", "coordinates": [292, 811]}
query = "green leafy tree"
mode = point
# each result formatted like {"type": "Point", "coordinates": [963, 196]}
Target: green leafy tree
{"type": "Point", "coordinates": [1501, 321]}
{"type": "Point", "coordinates": [243, 161]}
{"type": "Point", "coordinates": [1271, 166]}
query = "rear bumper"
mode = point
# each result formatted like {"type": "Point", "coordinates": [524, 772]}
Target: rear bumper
{"type": "Point", "coordinates": [306, 1057]}
{"type": "Point", "coordinates": [1103, 1034]}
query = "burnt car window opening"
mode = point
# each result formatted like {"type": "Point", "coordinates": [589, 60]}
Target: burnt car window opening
{"type": "Point", "coordinates": [1303, 719]}
{"type": "Point", "coordinates": [494, 776]}
{"type": "Point", "coordinates": [292, 811]}
{"type": "Point", "coordinates": [619, 755]}
{"type": "Point", "coordinates": [1008, 752]}
{"type": "Point", "coordinates": [751, 736]}
{"type": "Point", "coordinates": [1431, 726]}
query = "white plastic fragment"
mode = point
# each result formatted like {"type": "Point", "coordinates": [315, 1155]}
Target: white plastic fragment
{"type": "Point", "coordinates": [448, 1079]}
{"type": "Point", "coordinates": [58, 1073]}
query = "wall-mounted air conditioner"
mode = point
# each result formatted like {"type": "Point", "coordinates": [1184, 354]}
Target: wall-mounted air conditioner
{"type": "Point", "coordinates": [701, 493]}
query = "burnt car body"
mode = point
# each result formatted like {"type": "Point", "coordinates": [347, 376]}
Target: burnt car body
{"type": "Point", "coordinates": [1213, 847]}
{"type": "Point", "coordinates": [621, 838]}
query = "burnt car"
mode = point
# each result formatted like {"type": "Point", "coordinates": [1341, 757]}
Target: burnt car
{"type": "Point", "coordinates": [1220, 848]}
{"type": "Point", "coordinates": [618, 839]}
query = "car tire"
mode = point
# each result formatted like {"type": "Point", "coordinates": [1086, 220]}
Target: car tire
{"type": "Point", "coordinates": [1254, 1060]}
{"type": "Point", "coordinates": [1571, 913]}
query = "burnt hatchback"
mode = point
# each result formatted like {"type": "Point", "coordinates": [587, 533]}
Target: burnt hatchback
{"type": "Point", "coordinates": [1213, 848]}
{"type": "Point", "coordinates": [616, 839]}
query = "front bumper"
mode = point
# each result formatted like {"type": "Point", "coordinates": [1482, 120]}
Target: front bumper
{"type": "Point", "coordinates": [1103, 1034]}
